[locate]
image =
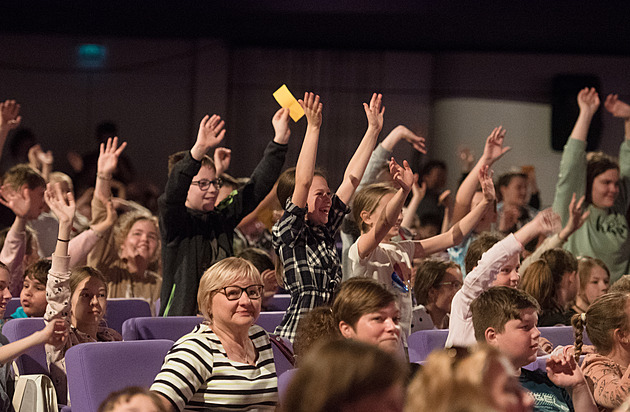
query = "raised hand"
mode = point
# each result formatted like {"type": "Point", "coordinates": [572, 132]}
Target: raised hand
{"type": "Point", "coordinates": [18, 201]}
{"type": "Point", "coordinates": [10, 115]}
{"type": "Point", "coordinates": [487, 185]}
{"type": "Point", "coordinates": [108, 157]}
{"type": "Point", "coordinates": [62, 204]}
{"type": "Point", "coordinates": [401, 175]}
{"type": "Point", "coordinates": [617, 107]}
{"type": "Point", "coordinates": [374, 111]}
{"type": "Point", "coordinates": [494, 150]}
{"type": "Point", "coordinates": [55, 332]}
{"type": "Point", "coordinates": [548, 221]}
{"type": "Point", "coordinates": [110, 217]}
{"type": "Point", "coordinates": [222, 157]}
{"type": "Point", "coordinates": [211, 132]}
{"type": "Point", "coordinates": [280, 122]}
{"type": "Point", "coordinates": [588, 100]}
{"type": "Point", "coordinates": [410, 137]}
{"type": "Point", "coordinates": [312, 108]}
{"type": "Point", "coordinates": [576, 217]}
{"type": "Point", "coordinates": [416, 189]}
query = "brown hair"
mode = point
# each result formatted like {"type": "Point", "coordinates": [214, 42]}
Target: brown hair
{"type": "Point", "coordinates": [539, 281]}
{"type": "Point", "coordinates": [125, 395]}
{"type": "Point", "coordinates": [220, 275]}
{"type": "Point", "coordinates": [622, 285]}
{"type": "Point", "coordinates": [478, 247]}
{"type": "Point", "coordinates": [339, 373]}
{"type": "Point", "coordinates": [497, 306]}
{"type": "Point", "coordinates": [38, 271]}
{"type": "Point", "coordinates": [173, 159]}
{"type": "Point", "coordinates": [367, 199]}
{"type": "Point", "coordinates": [316, 327]}
{"type": "Point", "coordinates": [585, 266]}
{"type": "Point", "coordinates": [602, 317]}
{"type": "Point", "coordinates": [504, 181]}
{"type": "Point", "coordinates": [83, 272]}
{"type": "Point", "coordinates": [596, 164]}
{"type": "Point", "coordinates": [429, 274]}
{"type": "Point", "coordinates": [286, 184]}
{"type": "Point", "coordinates": [358, 296]}
{"type": "Point", "coordinates": [23, 174]}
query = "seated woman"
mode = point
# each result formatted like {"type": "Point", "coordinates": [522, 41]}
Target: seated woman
{"type": "Point", "coordinates": [128, 254]}
{"type": "Point", "coordinates": [363, 310]}
{"type": "Point", "coordinates": [346, 376]}
{"type": "Point", "coordinates": [225, 363]}
{"type": "Point", "coordinates": [594, 282]}
{"type": "Point", "coordinates": [435, 285]}
{"type": "Point", "coordinates": [79, 297]}
{"type": "Point", "coordinates": [607, 323]}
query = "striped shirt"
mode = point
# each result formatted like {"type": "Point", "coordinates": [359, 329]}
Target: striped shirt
{"type": "Point", "coordinates": [198, 376]}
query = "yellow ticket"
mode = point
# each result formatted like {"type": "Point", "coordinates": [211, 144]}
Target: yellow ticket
{"type": "Point", "coordinates": [286, 99]}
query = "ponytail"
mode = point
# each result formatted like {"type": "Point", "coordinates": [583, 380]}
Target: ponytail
{"type": "Point", "coordinates": [578, 321]}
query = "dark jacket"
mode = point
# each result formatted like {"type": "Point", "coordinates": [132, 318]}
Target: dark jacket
{"type": "Point", "coordinates": [192, 240]}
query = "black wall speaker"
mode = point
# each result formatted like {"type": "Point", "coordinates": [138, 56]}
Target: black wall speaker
{"type": "Point", "coordinates": [565, 109]}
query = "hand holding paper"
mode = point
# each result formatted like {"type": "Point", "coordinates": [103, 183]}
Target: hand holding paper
{"type": "Point", "coordinates": [286, 99]}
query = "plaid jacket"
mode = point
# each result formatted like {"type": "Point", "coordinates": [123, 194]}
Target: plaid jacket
{"type": "Point", "coordinates": [312, 268]}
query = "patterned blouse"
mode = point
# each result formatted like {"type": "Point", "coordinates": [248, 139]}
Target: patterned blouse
{"type": "Point", "coordinates": [609, 381]}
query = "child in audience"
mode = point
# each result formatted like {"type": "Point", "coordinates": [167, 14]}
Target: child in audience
{"type": "Point", "coordinates": [304, 236]}
{"type": "Point", "coordinates": [265, 266]}
{"type": "Point", "coordinates": [347, 376]}
{"type": "Point", "coordinates": [196, 234]}
{"type": "Point", "coordinates": [506, 318]}
{"type": "Point", "coordinates": [132, 399]}
{"type": "Point", "coordinates": [594, 282]}
{"type": "Point", "coordinates": [621, 285]}
{"type": "Point", "coordinates": [5, 293]}
{"type": "Point", "coordinates": [79, 297]}
{"type": "Point", "coordinates": [434, 288]}
{"type": "Point", "coordinates": [378, 209]}
{"type": "Point", "coordinates": [54, 333]}
{"type": "Point", "coordinates": [512, 210]}
{"type": "Point", "coordinates": [492, 262]}
{"type": "Point", "coordinates": [553, 282]}
{"type": "Point", "coordinates": [605, 183]}
{"type": "Point", "coordinates": [22, 191]}
{"type": "Point", "coordinates": [607, 323]}
{"type": "Point", "coordinates": [33, 295]}
{"type": "Point", "coordinates": [472, 379]}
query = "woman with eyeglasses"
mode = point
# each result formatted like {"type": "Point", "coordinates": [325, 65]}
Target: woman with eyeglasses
{"type": "Point", "coordinates": [225, 363]}
{"type": "Point", "coordinates": [435, 285]}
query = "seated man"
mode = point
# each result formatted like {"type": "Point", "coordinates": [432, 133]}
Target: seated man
{"type": "Point", "coordinates": [506, 318]}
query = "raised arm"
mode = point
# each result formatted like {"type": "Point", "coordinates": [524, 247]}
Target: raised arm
{"type": "Point", "coordinates": [493, 151]}
{"type": "Point", "coordinates": [9, 119]}
{"type": "Point", "coordinates": [106, 166]}
{"type": "Point", "coordinates": [356, 166]}
{"type": "Point", "coordinates": [457, 232]}
{"type": "Point", "coordinates": [403, 176]}
{"type": "Point", "coordinates": [211, 132]}
{"type": "Point", "coordinates": [400, 133]}
{"type": "Point", "coordinates": [417, 194]}
{"type": "Point", "coordinates": [588, 100]}
{"type": "Point", "coordinates": [308, 154]}
{"type": "Point", "coordinates": [619, 109]}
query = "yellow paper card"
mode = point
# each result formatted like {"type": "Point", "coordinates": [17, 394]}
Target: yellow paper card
{"type": "Point", "coordinates": [286, 99]}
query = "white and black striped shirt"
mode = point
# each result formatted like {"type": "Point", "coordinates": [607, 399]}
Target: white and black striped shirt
{"type": "Point", "coordinates": [197, 375]}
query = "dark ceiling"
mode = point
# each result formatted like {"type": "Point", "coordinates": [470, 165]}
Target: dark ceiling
{"type": "Point", "coordinates": [580, 27]}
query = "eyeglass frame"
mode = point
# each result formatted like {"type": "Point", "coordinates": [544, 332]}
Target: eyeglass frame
{"type": "Point", "coordinates": [452, 283]}
{"type": "Point", "coordinates": [223, 291]}
{"type": "Point", "coordinates": [218, 183]}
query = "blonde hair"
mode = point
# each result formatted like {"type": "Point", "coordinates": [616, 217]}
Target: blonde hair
{"type": "Point", "coordinates": [222, 274]}
{"type": "Point", "coordinates": [455, 379]}
{"type": "Point", "coordinates": [585, 267]}
{"type": "Point", "coordinates": [126, 222]}
{"type": "Point", "coordinates": [367, 199]}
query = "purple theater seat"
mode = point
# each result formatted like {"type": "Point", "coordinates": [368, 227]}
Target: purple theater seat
{"type": "Point", "coordinates": [279, 302]}
{"type": "Point", "coordinates": [561, 335]}
{"type": "Point", "coordinates": [423, 342]}
{"type": "Point", "coordinates": [12, 305]}
{"type": "Point", "coordinates": [121, 309]}
{"type": "Point", "coordinates": [97, 369]}
{"type": "Point", "coordinates": [269, 320]}
{"type": "Point", "coordinates": [32, 361]}
{"type": "Point", "coordinates": [279, 358]}
{"type": "Point", "coordinates": [171, 327]}
{"type": "Point", "coordinates": [283, 382]}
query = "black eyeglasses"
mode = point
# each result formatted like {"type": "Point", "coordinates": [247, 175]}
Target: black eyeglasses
{"type": "Point", "coordinates": [204, 184]}
{"type": "Point", "coordinates": [235, 292]}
